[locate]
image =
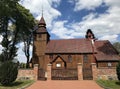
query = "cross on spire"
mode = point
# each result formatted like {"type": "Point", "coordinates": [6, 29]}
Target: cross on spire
{"type": "Point", "coordinates": [42, 10]}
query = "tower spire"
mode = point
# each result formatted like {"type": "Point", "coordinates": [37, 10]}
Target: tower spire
{"type": "Point", "coordinates": [42, 21]}
{"type": "Point", "coordinates": [42, 10]}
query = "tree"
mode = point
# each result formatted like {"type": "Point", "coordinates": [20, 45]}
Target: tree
{"type": "Point", "coordinates": [18, 16]}
{"type": "Point", "coordinates": [11, 12]}
{"type": "Point", "coordinates": [118, 70]}
{"type": "Point", "coordinates": [8, 72]}
{"type": "Point", "coordinates": [27, 42]}
{"type": "Point", "coordinates": [117, 46]}
{"type": "Point", "coordinates": [27, 39]}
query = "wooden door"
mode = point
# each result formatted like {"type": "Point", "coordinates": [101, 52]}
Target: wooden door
{"type": "Point", "coordinates": [87, 68]}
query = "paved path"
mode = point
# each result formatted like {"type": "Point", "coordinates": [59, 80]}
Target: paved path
{"type": "Point", "coordinates": [64, 85]}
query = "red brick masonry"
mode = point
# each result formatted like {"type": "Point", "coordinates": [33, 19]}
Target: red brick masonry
{"type": "Point", "coordinates": [28, 73]}
{"type": "Point", "coordinates": [98, 73]}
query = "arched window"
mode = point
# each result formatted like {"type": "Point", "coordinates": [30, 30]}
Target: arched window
{"type": "Point", "coordinates": [69, 58]}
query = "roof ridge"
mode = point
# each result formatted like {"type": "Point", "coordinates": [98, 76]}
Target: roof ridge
{"type": "Point", "coordinates": [68, 39]}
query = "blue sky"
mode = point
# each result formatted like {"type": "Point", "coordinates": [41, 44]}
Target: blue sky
{"type": "Point", "coordinates": [67, 19]}
{"type": "Point", "coordinates": [71, 18]}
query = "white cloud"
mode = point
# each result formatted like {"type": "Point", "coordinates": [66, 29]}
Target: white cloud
{"type": "Point", "coordinates": [112, 2]}
{"type": "Point", "coordinates": [63, 32]}
{"type": "Point", "coordinates": [1, 38]}
{"type": "Point", "coordinates": [86, 4]}
{"type": "Point", "coordinates": [110, 37]}
{"type": "Point", "coordinates": [91, 5]}
{"type": "Point", "coordinates": [104, 25]}
{"type": "Point", "coordinates": [71, 1]}
{"type": "Point", "coordinates": [50, 13]}
{"type": "Point", "coordinates": [0, 42]}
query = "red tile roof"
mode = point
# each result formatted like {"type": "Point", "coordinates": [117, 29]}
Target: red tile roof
{"type": "Point", "coordinates": [69, 46]}
{"type": "Point", "coordinates": [103, 50]}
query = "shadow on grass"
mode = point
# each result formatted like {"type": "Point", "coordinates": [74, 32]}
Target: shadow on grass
{"type": "Point", "coordinates": [118, 83]}
{"type": "Point", "coordinates": [17, 83]}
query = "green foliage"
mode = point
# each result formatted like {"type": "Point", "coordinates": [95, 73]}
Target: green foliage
{"type": "Point", "coordinates": [117, 46]}
{"type": "Point", "coordinates": [22, 24]}
{"type": "Point", "coordinates": [109, 84]}
{"type": "Point", "coordinates": [18, 84]}
{"type": "Point", "coordinates": [5, 55]}
{"type": "Point", "coordinates": [8, 72]}
{"type": "Point", "coordinates": [118, 70]}
{"type": "Point", "coordinates": [22, 65]}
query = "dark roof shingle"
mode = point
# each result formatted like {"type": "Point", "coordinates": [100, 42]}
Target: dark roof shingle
{"type": "Point", "coordinates": [106, 51]}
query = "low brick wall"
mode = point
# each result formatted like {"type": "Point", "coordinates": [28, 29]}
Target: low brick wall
{"type": "Point", "coordinates": [24, 74]}
{"type": "Point", "coordinates": [98, 73]}
{"type": "Point", "coordinates": [107, 73]}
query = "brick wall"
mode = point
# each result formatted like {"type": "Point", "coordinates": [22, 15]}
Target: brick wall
{"type": "Point", "coordinates": [98, 73]}
{"type": "Point", "coordinates": [105, 73]}
{"type": "Point", "coordinates": [24, 74]}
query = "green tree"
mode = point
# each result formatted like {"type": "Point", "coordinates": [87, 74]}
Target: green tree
{"type": "Point", "coordinates": [22, 65]}
{"type": "Point", "coordinates": [118, 70]}
{"type": "Point", "coordinates": [8, 72]}
{"type": "Point", "coordinates": [117, 46]}
{"type": "Point", "coordinates": [21, 20]}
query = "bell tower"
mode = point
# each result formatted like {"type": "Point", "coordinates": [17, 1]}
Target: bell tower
{"type": "Point", "coordinates": [89, 35]}
{"type": "Point", "coordinates": [41, 38]}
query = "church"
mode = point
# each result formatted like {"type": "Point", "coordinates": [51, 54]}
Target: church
{"type": "Point", "coordinates": [73, 59]}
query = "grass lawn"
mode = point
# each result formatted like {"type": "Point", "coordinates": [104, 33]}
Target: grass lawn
{"type": "Point", "coordinates": [109, 84]}
{"type": "Point", "coordinates": [18, 84]}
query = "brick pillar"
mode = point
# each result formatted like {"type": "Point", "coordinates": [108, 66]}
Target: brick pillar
{"type": "Point", "coordinates": [49, 71]}
{"type": "Point", "coordinates": [80, 74]}
{"type": "Point", "coordinates": [94, 71]}
{"type": "Point", "coordinates": [35, 69]}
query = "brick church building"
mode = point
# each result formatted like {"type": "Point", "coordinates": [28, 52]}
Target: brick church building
{"type": "Point", "coordinates": [83, 59]}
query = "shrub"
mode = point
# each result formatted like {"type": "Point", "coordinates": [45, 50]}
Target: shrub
{"type": "Point", "coordinates": [8, 72]}
{"type": "Point", "coordinates": [118, 70]}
